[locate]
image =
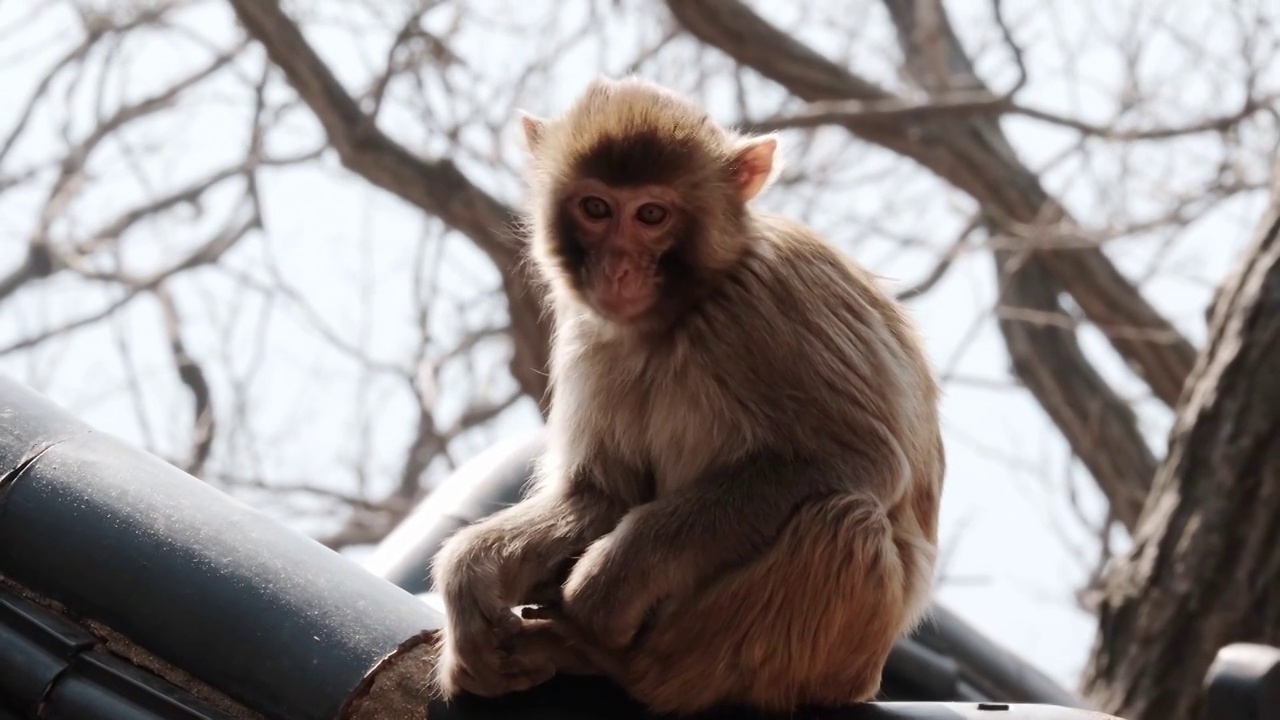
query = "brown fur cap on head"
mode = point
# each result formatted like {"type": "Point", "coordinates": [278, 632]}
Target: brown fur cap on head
{"type": "Point", "coordinates": [630, 132]}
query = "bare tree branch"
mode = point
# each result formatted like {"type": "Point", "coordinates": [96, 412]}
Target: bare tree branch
{"type": "Point", "coordinates": [944, 264]}
{"type": "Point", "coordinates": [372, 524]}
{"type": "Point", "coordinates": [976, 158]}
{"type": "Point", "coordinates": [969, 152]}
{"type": "Point", "coordinates": [203, 424]}
{"type": "Point", "coordinates": [208, 252]}
{"type": "Point", "coordinates": [43, 257]}
{"type": "Point", "coordinates": [95, 31]}
{"type": "Point", "coordinates": [1105, 296]}
{"type": "Point", "coordinates": [435, 186]}
{"type": "Point", "coordinates": [1100, 426]}
{"type": "Point", "coordinates": [868, 114]}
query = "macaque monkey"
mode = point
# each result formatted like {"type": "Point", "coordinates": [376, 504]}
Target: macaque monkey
{"type": "Point", "coordinates": [738, 501]}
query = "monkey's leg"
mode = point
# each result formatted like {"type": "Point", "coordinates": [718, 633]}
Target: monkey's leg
{"type": "Point", "coordinates": [486, 568]}
{"type": "Point", "coordinates": [671, 545]}
{"type": "Point", "coordinates": [811, 622]}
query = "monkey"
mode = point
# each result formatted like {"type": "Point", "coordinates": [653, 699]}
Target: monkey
{"type": "Point", "coordinates": [738, 500]}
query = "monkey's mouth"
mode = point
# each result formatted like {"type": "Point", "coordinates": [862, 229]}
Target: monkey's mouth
{"type": "Point", "coordinates": [626, 297]}
{"type": "Point", "coordinates": [623, 308]}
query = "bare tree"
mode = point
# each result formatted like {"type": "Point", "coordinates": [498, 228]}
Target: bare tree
{"type": "Point", "coordinates": [1204, 571]}
{"type": "Point", "coordinates": [931, 139]}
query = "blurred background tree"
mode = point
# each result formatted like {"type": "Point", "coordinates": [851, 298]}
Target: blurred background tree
{"type": "Point", "coordinates": [274, 244]}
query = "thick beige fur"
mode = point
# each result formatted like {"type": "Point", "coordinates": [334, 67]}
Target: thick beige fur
{"type": "Point", "coordinates": [753, 490]}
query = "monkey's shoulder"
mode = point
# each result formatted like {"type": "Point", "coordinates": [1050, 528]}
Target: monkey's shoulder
{"type": "Point", "coordinates": [789, 253]}
{"type": "Point", "coordinates": [794, 277]}
{"type": "Point", "coordinates": [803, 310]}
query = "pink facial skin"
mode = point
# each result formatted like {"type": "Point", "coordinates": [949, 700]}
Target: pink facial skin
{"type": "Point", "coordinates": [625, 231]}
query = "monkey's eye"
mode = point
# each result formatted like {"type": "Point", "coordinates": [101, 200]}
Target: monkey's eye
{"type": "Point", "coordinates": [594, 207]}
{"type": "Point", "coordinates": [651, 214]}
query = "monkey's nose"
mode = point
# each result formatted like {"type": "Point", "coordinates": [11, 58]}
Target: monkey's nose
{"type": "Point", "coordinates": [618, 273]}
{"type": "Point", "coordinates": [618, 267]}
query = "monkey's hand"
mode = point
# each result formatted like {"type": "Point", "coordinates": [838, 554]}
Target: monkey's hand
{"type": "Point", "coordinates": [477, 654]}
{"type": "Point", "coordinates": [606, 594]}
{"type": "Point", "coordinates": [488, 664]}
{"type": "Point", "coordinates": [485, 568]}
{"type": "Point", "coordinates": [476, 657]}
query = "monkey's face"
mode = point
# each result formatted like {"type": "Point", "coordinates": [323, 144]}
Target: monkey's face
{"type": "Point", "coordinates": [640, 201]}
{"type": "Point", "coordinates": [618, 243]}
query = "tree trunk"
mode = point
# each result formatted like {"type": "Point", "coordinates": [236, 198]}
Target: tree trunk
{"type": "Point", "coordinates": [1205, 567]}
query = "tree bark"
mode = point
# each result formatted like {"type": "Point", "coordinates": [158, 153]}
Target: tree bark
{"type": "Point", "coordinates": [1205, 567]}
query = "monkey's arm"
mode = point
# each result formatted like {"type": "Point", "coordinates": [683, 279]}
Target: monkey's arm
{"type": "Point", "coordinates": [725, 519]}
{"type": "Point", "coordinates": [495, 563]}
{"type": "Point", "coordinates": [486, 568]}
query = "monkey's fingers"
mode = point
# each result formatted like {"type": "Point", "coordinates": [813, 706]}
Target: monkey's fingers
{"type": "Point", "coordinates": [553, 622]}
{"type": "Point", "coordinates": [478, 609]}
{"type": "Point", "coordinates": [495, 673]}
{"type": "Point", "coordinates": [573, 651]}
{"type": "Point", "coordinates": [480, 654]}
{"type": "Point", "coordinates": [502, 618]}
{"type": "Point", "coordinates": [462, 679]}
{"type": "Point", "coordinates": [454, 677]}
{"type": "Point", "coordinates": [522, 670]}
{"type": "Point", "coordinates": [545, 644]}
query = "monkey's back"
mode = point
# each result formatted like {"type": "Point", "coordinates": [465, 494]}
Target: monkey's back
{"type": "Point", "coordinates": [801, 352]}
{"type": "Point", "coordinates": [812, 348]}
{"type": "Point", "coordinates": [797, 349]}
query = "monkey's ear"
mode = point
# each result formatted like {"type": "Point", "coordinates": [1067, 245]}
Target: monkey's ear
{"type": "Point", "coordinates": [533, 129]}
{"type": "Point", "coordinates": [755, 164]}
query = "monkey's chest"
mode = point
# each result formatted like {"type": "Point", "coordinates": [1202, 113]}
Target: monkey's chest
{"type": "Point", "coordinates": [678, 429]}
